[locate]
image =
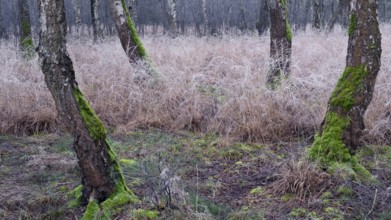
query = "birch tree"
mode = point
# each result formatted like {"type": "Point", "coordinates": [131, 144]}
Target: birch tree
{"type": "Point", "coordinates": [96, 23]}
{"type": "Point", "coordinates": [205, 17]}
{"type": "Point", "coordinates": [76, 9]}
{"type": "Point", "coordinates": [103, 185]}
{"type": "Point", "coordinates": [280, 42]}
{"type": "Point", "coordinates": [339, 135]}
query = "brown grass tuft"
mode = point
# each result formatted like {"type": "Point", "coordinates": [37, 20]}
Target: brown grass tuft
{"type": "Point", "coordinates": [301, 179]}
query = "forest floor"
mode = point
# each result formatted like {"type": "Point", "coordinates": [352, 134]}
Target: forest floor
{"type": "Point", "coordinates": [204, 177]}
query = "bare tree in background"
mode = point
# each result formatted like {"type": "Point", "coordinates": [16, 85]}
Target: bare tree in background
{"type": "Point", "coordinates": [205, 17]}
{"type": "Point", "coordinates": [341, 129]}
{"type": "Point", "coordinates": [318, 7]}
{"type": "Point", "coordinates": [280, 42]}
{"type": "Point", "coordinates": [263, 22]}
{"type": "Point", "coordinates": [26, 41]}
{"type": "Point", "coordinates": [96, 23]}
{"type": "Point", "coordinates": [133, 9]}
{"type": "Point", "coordinates": [76, 8]}
{"type": "Point", "coordinates": [101, 174]}
{"type": "Point", "coordinates": [342, 6]}
{"type": "Point", "coordinates": [242, 20]}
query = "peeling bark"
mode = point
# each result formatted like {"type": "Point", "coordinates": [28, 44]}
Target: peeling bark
{"type": "Point", "coordinates": [280, 42]}
{"type": "Point", "coordinates": [100, 173]}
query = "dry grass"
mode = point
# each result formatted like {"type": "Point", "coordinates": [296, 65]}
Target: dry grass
{"type": "Point", "coordinates": [302, 179]}
{"type": "Point", "coordinates": [210, 85]}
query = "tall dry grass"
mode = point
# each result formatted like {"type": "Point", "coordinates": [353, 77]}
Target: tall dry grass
{"type": "Point", "coordinates": [209, 85]}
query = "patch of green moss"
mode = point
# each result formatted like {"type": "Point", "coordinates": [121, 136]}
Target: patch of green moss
{"type": "Point", "coordinates": [128, 162]}
{"type": "Point", "coordinates": [298, 212]}
{"type": "Point", "coordinates": [91, 120]}
{"type": "Point", "coordinates": [92, 211]}
{"type": "Point", "coordinates": [329, 149]}
{"type": "Point", "coordinates": [146, 214]}
{"type": "Point", "coordinates": [352, 24]}
{"type": "Point", "coordinates": [27, 43]}
{"type": "Point", "coordinates": [286, 197]}
{"type": "Point", "coordinates": [334, 213]}
{"type": "Point", "coordinates": [257, 190]}
{"type": "Point", "coordinates": [344, 191]}
{"type": "Point", "coordinates": [75, 196]}
{"type": "Point", "coordinates": [351, 80]}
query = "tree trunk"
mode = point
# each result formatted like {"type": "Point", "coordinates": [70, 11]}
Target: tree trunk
{"type": "Point", "coordinates": [26, 41]}
{"type": "Point", "coordinates": [263, 19]}
{"type": "Point", "coordinates": [172, 17]}
{"type": "Point", "coordinates": [318, 11]}
{"type": "Point", "coordinates": [342, 4]}
{"type": "Point", "coordinates": [242, 19]}
{"type": "Point", "coordinates": [133, 10]}
{"type": "Point", "coordinates": [205, 17]}
{"type": "Point", "coordinates": [96, 23]}
{"type": "Point", "coordinates": [102, 180]}
{"type": "Point", "coordinates": [76, 8]}
{"type": "Point", "coordinates": [342, 127]}
{"type": "Point", "coordinates": [127, 32]}
{"type": "Point", "coordinates": [280, 42]}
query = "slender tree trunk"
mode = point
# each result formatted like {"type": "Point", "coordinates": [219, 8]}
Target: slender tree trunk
{"type": "Point", "coordinates": [243, 22]}
{"type": "Point", "coordinates": [26, 41]}
{"type": "Point", "coordinates": [342, 127]}
{"type": "Point", "coordinates": [101, 174]}
{"type": "Point", "coordinates": [127, 32]}
{"type": "Point", "coordinates": [342, 5]}
{"type": "Point", "coordinates": [96, 23]}
{"type": "Point", "coordinates": [172, 17]}
{"type": "Point", "coordinates": [280, 42]}
{"type": "Point", "coordinates": [263, 22]}
{"type": "Point", "coordinates": [76, 8]}
{"type": "Point", "coordinates": [318, 11]}
{"type": "Point", "coordinates": [205, 17]}
{"type": "Point", "coordinates": [133, 10]}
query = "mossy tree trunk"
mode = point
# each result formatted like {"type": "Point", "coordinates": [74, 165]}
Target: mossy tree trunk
{"type": "Point", "coordinates": [102, 181]}
{"type": "Point", "coordinates": [280, 42]}
{"type": "Point", "coordinates": [341, 129]}
{"type": "Point", "coordinates": [26, 41]}
{"type": "Point", "coordinates": [96, 23]}
{"type": "Point", "coordinates": [263, 22]}
{"type": "Point", "coordinates": [127, 32]}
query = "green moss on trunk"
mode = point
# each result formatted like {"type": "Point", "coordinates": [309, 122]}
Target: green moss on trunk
{"type": "Point", "coordinates": [331, 152]}
{"type": "Point", "coordinates": [351, 80]}
{"type": "Point", "coordinates": [352, 24]}
{"type": "Point", "coordinates": [90, 119]}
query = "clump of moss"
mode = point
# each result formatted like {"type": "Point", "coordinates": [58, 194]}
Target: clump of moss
{"type": "Point", "coordinates": [91, 212]}
{"type": "Point", "coordinates": [351, 79]}
{"type": "Point", "coordinates": [75, 196]}
{"type": "Point", "coordinates": [146, 214]}
{"type": "Point", "coordinates": [352, 24]}
{"type": "Point", "coordinates": [91, 121]}
{"type": "Point", "coordinates": [333, 154]}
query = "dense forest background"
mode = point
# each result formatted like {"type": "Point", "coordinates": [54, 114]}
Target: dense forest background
{"type": "Point", "coordinates": [221, 14]}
